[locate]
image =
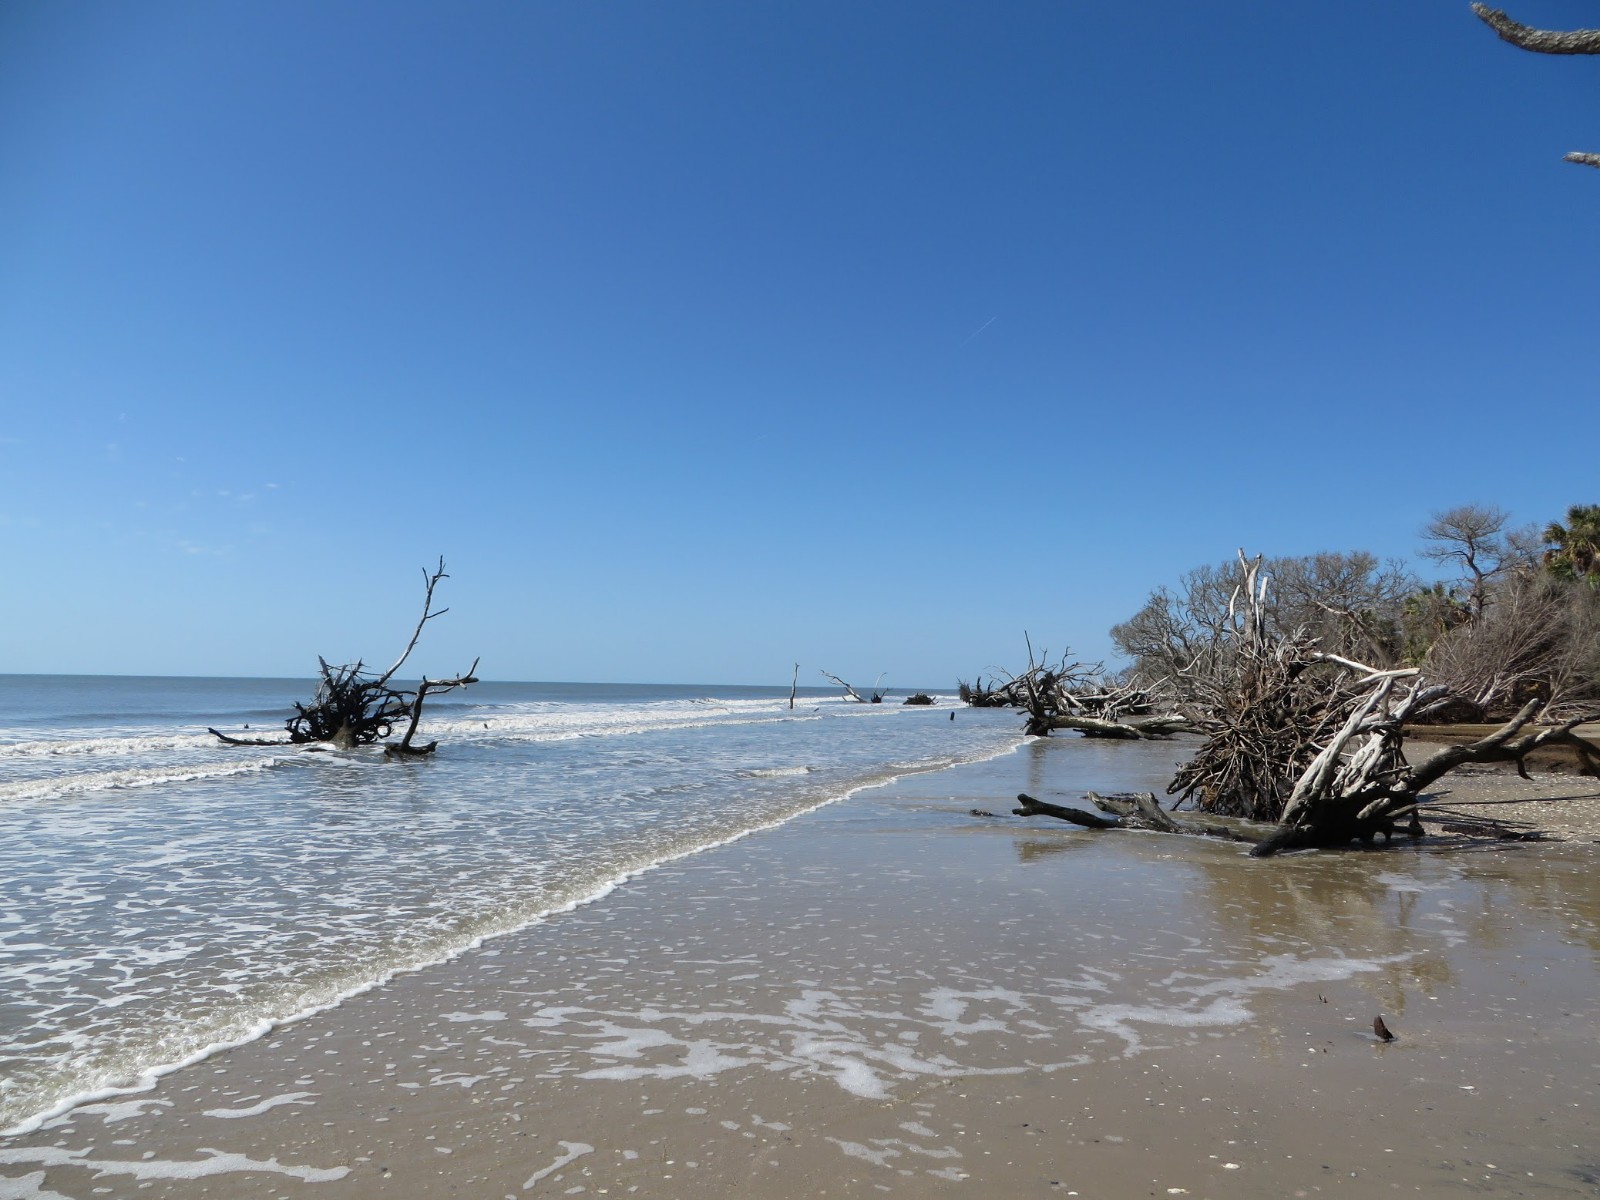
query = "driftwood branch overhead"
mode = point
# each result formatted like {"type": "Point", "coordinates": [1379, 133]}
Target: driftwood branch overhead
{"type": "Point", "coordinates": [1544, 41]}
{"type": "Point", "coordinates": [1540, 41]}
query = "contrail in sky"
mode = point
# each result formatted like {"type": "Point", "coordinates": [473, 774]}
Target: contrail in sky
{"type": "Point", "coordinates": [980, 329]}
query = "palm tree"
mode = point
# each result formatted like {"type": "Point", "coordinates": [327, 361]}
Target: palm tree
{"type": "Point", "coordinates": [1575, 548]}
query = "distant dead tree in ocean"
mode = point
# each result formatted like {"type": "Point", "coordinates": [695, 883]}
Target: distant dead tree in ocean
{"type": "Point", "coordinates": [877, 693]}
{"type": "Point", "coordinates": [353, 707]}
{"type": "Point", "coordinates": [1544, 41]}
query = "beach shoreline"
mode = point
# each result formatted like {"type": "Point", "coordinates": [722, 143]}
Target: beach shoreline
{"type": "Point", "coordinates": [890, 995]}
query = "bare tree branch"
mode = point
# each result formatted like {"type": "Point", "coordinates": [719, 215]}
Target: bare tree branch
{"type": "Point", "coordinates": [1540, 41]}
{"type": "Point", "coordinates": [848, 690]}
{"type": "Point", "coordinates": [1544, 41]}
{"type": "Point", "coordinates": [430, 582]}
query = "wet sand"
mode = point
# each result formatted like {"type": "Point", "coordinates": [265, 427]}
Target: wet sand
{"type": "Point", "coordinates": [893, 996]}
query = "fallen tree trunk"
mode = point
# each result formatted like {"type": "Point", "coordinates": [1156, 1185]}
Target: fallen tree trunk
{"type": "Point", "coordinates": [1098, 727]}
{"type": "Point", "coordinates": [1138, 810]}
{"type": "Point", "coordinates": [1031, 808]}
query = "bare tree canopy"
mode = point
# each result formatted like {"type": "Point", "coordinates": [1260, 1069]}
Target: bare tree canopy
{"type": "Point", "coordinates": [1349, 603]}
{"type": "Point", "coordinates": [1474, 537]}
{"type": "Point", "coordinates": [1538, 638]}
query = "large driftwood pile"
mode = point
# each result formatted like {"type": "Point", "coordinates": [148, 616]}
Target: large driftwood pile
{"type": "Point", "coordinates": [1313, 741]}
{"type": "Point", "coordinates": [354, 707]}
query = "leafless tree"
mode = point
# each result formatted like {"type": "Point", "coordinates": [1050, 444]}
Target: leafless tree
{"type": "Point", "coordinates": [1348, 604]}
{"type": "Point", "coordinates": [1474, 539]}
{"type": "Point", "coordinates": [1539, 638]}
{"type": "Point", "coordinates": [354, 707]}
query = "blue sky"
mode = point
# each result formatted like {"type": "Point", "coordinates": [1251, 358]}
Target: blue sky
{"type": "Point", "coordinates": [701, 338]}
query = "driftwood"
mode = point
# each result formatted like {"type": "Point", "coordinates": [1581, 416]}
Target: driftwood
{"type": "Point", "coordinates": [1544, 41]}
{"type": "Point", "coordinates": [1070, 695]}
{"type": "Point", "coordinates": [1361, 785]}
{"type": "Point", "coordinates": [1138, 810]}
{"type": "Point", "coordinates": [877, 693]}
{"type": "Point", "coordinates": [1150, 728]}
{"type": "Point", "coordinates": [1313, 741]}
{"type": "Point", "coordinates": [354, 707]}
{"type": "Point", "coordinates": [1031, 807]}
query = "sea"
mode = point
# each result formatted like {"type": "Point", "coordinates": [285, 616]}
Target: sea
{"type": "Point", "coordinates": [163, 896]}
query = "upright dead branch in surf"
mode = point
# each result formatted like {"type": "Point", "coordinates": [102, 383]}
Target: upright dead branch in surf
{"type": "Point", "coordinates": [353, 707]}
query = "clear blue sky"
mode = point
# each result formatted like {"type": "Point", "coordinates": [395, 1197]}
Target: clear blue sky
{"type": "Point", "coordinates": [705, 337]}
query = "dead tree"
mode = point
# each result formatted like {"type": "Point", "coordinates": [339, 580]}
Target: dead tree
{"type": "Point", "coordinates": [1360, 784]}
{"type": "Point", "coordinates": [877, 693]}
{"type": "Point", "coordinates": [1313, 740]}
{"type": "Point", "coordinates": [1138, 810]}
{"type": "Point", "coordinates": [354, 707]}
{"type": "Point", "coordinates": [1076, 696]}
{"type": "Point", "coordinates": [1544, 41]}
{"type": "Point", "coordinates": [1357, 786]}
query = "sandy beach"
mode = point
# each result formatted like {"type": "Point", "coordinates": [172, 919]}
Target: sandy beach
{"type": "Point", "coordinates": [895, 996]}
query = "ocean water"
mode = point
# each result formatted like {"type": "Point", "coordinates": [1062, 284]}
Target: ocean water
{"type": "Point", "coordinates": [162, 895]}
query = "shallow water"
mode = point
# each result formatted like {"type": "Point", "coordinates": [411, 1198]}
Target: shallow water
{"type": "Point", "coordinates": [895, 995]}
{"type": "Point", "coordinates": [163, 895]}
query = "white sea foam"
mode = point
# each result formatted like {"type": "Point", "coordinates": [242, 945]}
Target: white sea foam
{"type": "Point", "coordinates": [571, 1152]}
{"type": "Point", "coordinates": [216, 1162]}
{"type": "Point", "coordinates": [100, 746]}
{"type": "Point", "coordinates": [255, 1110]}
{"type": "Point", "coordinates": [51, 787]}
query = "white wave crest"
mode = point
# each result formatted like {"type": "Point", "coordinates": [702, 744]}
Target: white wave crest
{"type": "Point", "coordinates": [133, 777]}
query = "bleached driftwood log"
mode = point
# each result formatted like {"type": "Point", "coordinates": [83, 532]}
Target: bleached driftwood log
{"type": "Point", "coordinates": [1361, 785]}
{"type": "Point", "coordinates": [1098, 727]}
{"type": "Point", "coordinates": [1139, 810]}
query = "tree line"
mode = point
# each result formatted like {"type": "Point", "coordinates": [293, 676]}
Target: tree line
{"type": "Point", "coordinates": [1516, 617]}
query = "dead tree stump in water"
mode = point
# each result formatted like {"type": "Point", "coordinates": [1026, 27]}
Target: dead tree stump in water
{"type": "Point", "coordinates": [353, 707]}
